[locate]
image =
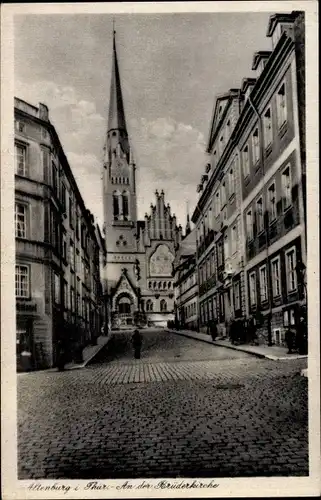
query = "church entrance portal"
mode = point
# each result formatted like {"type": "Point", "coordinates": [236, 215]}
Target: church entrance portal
{"type": "Point", "coordinates": [124, 311]}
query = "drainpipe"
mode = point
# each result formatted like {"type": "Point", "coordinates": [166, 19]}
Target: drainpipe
{"type": "Point", "coordinates": [268, 273]}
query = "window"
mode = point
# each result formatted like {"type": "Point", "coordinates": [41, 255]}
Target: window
{"type": "Point", "coordinates": [66, 296]}
{"type": "Point", "coordinates": [214, 158]}
{"type": "Point", "coordinates": [55, 180]}
{"type": "Point", "coordinates": [125, 206]}
{"type": "Point", "coordinates": [57, 288]}
{"type": "Point", "coordinates": [20, 127]}
{"type": "Point", "coordinates": [249, 224]}
{"type": "Point", "coordinates": [221, 144]}
{"type": "Point", "coordinates": [231, 179]}
{"type": "Point", "coordinates": [64, 247]}
{"type": "Point", "coordinates": [246, 161]}
{"type": "Point", "coordinates": [71, 212]}
{"type": "Point", "coordinates": [217, 203]}
{"type": "Point", "coordinates": [290, 262]}
{"type": "Point", "coordinates": [45, 164]}
{"type": "Point", "coordinates": [259, 215]}
{"type": "Point", "coordinates": [223, 194]}
{"type": "Point", "coordinates": [237, 303]}
{"type": "Point", "coordinates": [276, 280]}
{"type": "Point", "coordinates": [220, 254]}
{"type": "Point", "coordinates": [21, 220]}
{"type": "Point", "coordinates": [115, 206]}
{"type": "Point", "coordinates": [256, 146]}
{"type": "Point", "coordinates": [286, 188]}
{"type": "Point", "coordinates": [281, 106]}
{"type": "Point", "coordinates": [252, 281]}
{"type": "Point", "coordinates": [72, 255]}
{"type": "Point", "coordinates": [226, 247]}
{"type": "Point", "coordinates": [149, 305]}
{"type": "Point", "coordinates": [63, 197]}
{"type": "Point", "coordinates": [22, 282]}
{"type": "Point", "coordinates": [72, 300]}
{"type": "Point", "coordinates": [267, 124]}
{"type": "Point", "coordinates": [234, 239]}
{"type": "Point", "coordinates": [272, 202]}
{"type": "Point", "coordinates": [20, 159]}
{"type": "Point", "coordinates": [263, 284]}
{"type": "Point", "coordinates": [278, 336]}
{"type": "Point", "coordinates": [163, 305]}
{"type": "Point", "coordinates": [227, 131]}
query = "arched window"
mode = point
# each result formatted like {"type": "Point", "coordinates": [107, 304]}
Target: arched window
{"type": "Point", "coordinates": [112, 180]}
{"type": "Point", "coordinates": [149, 305]}
{"type": "Point", "coordinates": [164, 285]}
{"type": "Point", "coordinates": [116, 205]}
{"type": "Point", "coordinates": [169, 284]}
{"type": "Point", "coordinates": [154, 284]}
{"type": "Point", "coordinates": [163, 305]}
{"type": "Point", "coordinates": [150, 284]}
{"type": "Point", "coordinates": [159, 284]}
{"type": "Point", "coordinates": [125, 205]}
{"type": "Point", "coordinates": [114, 134]}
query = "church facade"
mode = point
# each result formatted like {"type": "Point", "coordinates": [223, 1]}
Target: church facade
{"type": "Point", "coordinates": [138, 280]}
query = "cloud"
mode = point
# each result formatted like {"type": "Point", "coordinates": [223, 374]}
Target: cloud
{"type": "Point", "coordinates": [170, 156]}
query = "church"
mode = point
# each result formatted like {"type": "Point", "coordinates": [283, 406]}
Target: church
{"type": "Point", "coordinates": [138, 281]}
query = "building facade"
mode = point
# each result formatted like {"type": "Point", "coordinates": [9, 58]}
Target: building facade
{"type": "Point", "coordinates": [186, 283]}
{"type": "Point", "coordinates": [57, 278]}
{"type": "Point", "coordinates": [138, 274]}
{"type": "Point", "coordinates": [250, 217]}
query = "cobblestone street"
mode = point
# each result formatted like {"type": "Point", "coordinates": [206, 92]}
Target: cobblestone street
{"type": "Point", "coordinates": [186, 409]}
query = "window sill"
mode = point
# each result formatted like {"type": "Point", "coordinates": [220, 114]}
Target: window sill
{"type": "Point", "coordinates": [287, 209]}
{"type": "Point", "coordinates": [232, 197]}
{"type": "Point", "coordinates": [272, 221]}
{"type": "Point", "coordinates": [24, 299]}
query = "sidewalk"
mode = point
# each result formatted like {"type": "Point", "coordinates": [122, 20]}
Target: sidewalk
{"type": "Point", "coordinates": [275, 353]}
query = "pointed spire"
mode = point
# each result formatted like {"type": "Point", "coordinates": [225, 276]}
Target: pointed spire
{"type": "Point", "coordinates": [188, 224]}
{"type": "Point", "coordinates": [116, 118]}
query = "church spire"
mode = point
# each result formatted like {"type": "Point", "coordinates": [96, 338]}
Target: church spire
{"type": "Point", "coordinates": [188, 224]}
{"type": "Point", "coordinates": [116, 118]}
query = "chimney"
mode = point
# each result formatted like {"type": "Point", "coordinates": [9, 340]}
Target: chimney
{"type": "Point", "coordinates": [43, 112]}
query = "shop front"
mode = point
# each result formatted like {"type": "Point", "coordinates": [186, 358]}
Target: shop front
{"type": "Point", "coordinates": [26, 313]}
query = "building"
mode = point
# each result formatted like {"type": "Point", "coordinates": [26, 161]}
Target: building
{"type": "Point", "coordinates": [57, 278]}
{"type": "Point", "coordinates": [257, 238]}
{"type": "Point", "coordinates": [186, 283]}
{"type": "Point", "coordinates": [218, 220]}
{"type": "Point", "coordinates": [138, 275]}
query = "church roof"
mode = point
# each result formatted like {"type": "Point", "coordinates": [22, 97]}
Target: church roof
{"type": "Point", "coordinates": [116, 118]}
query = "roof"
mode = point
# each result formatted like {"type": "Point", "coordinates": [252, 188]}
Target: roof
{"type": "Point", "coordinates": [116, 117]}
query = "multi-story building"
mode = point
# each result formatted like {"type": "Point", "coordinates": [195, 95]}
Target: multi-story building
{"type": "Point", "coordinates": [218, 222]}
{"type": "Point", "coordinates": [140, 253]}
{"type": "Point", "coordinates": [57, 280]}
{"type": "Point", "coordinates": [250, 217]}
{"type": "Point", "coordinates": [186, 282]}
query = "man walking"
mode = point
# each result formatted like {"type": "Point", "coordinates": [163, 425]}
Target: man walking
{"type": "Point", "coordinates": [137, 343]}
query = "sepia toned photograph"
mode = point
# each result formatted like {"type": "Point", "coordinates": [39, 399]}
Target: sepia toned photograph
{"type": "Point", "coordinates": [160, 219]}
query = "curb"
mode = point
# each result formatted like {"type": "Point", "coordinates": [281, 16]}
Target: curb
{"type": "Point", "coordinates": [237, 348]}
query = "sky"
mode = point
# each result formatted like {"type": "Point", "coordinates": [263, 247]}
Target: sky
{"type": "Point", "coordinates": [171, 67]}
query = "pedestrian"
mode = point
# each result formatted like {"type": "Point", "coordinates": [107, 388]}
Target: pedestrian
{"type": "Point", "coordinates": [213, 330]}
{"type": "Point", "coordinates": [137, 343]}
{"type": "Point", "coordinates": [301, 337]}
{"type": "Point", "coordinates": [289, 340]}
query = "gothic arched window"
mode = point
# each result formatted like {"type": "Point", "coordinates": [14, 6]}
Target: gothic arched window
{"type": "Point", "coordinates": [164, 285]}
{"type": "Point", "coordinates": [155, 284]}
{"type": "Point", "coordinates": [115, 205]}
{"type": "Point", "coordinates": [169, 284]}
{"type": "Point", "coordinates": [125, 205]}
{"type": "Point", "coordinates": [149, 305]}
{"type": "Point", "coordinates": [163, 305]}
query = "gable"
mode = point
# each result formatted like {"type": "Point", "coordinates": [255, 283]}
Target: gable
{"type": "Point", "coordinates": [124, 284]}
